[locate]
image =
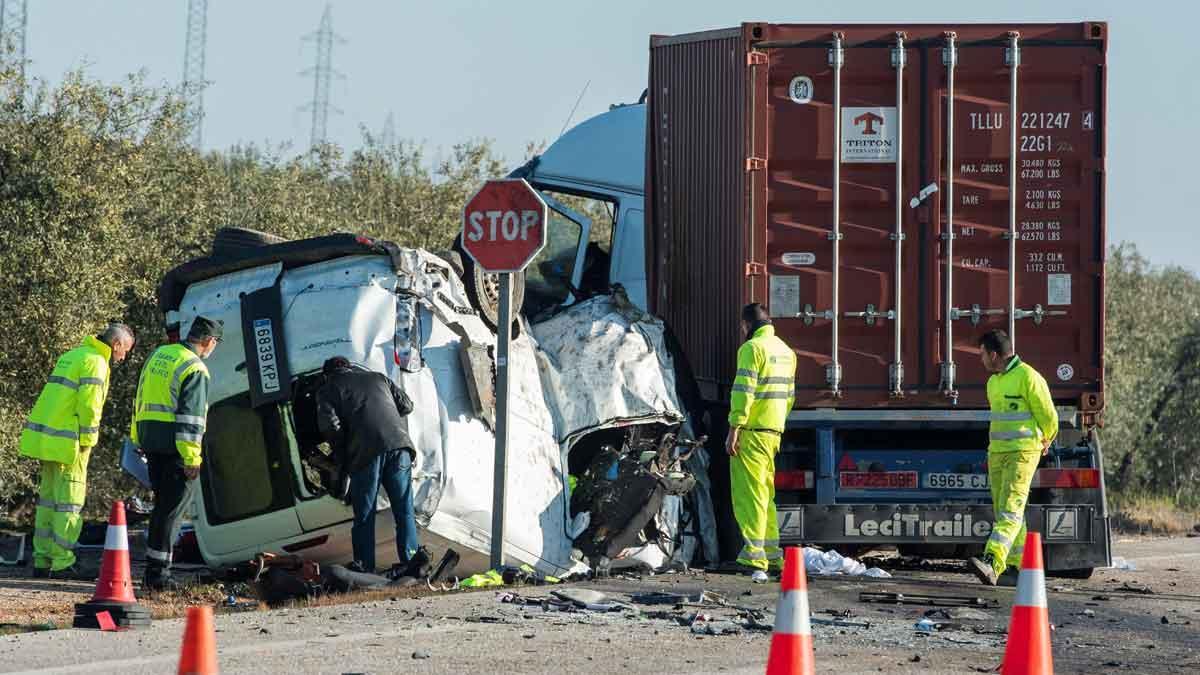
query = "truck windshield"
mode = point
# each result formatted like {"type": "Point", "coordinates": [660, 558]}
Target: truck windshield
{"type": "Point", "coordinates": [549, 277]}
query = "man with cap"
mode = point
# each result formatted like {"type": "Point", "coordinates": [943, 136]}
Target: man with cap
{"type": "Point", "coordinates": [168, 424]}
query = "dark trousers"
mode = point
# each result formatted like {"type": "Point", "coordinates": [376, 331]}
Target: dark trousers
{"type": "Point", "coordinates": [173, 492]}
{"type": "Point", "coordinates": [393, 470]}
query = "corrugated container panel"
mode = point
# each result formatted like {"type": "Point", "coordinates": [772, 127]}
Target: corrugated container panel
{"type": "Point", "coordinates": [741, 178]}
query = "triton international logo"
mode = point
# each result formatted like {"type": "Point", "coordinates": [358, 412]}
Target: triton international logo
{"type": "Point", "coordinates": [869, 134]}
{"type": "Point", "coordinates": [868, 120]}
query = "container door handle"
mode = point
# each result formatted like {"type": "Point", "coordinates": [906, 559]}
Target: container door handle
{"type": "Point", "coordinates": [1038, 314]}
{"type": "Point", "coordinates": [870, 315]}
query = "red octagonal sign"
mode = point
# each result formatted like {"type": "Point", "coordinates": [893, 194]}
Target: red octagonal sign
{"type": "Point", "coordinates": [504, 225]}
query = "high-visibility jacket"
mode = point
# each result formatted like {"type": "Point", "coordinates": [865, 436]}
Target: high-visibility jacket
{"type": "Point", "coordinates": [171, 405]}
{"type": "Point", "coordinates": [67, 413]}
{"type": "Point", "coordinates": [765, 386]}
{"type": "Point", "coordinates": [1023, 414]}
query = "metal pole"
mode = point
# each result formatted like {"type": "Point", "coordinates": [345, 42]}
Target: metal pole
{"type": "Point", "coordinates": [1013, 58]}
{"type": "Point", "coordinates": [836, 59]}
{"type": "Point", "coordinates": [897, 374]}
{"type": "Point", "coordinates": [950, 60]}
{"type": "Point", "coordinates": [500, 470]}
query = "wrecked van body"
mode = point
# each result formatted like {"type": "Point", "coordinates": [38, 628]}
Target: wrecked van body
{"type": "Point", "coordinates": [592, 382]}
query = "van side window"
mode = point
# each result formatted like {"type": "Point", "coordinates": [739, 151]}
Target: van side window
{"type": "Point", "coordinates": [246, 461]}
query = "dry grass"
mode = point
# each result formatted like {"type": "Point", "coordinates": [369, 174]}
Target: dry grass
{"type": "Point", "coordinates": [1146, 514]}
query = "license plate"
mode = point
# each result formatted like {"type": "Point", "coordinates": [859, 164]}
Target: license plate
{"type": "Point", "coordinates": [956, 481]}
{"type": "Point", "coordinates": [878, 480]}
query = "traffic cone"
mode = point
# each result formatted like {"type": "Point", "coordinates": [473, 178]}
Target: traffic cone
{"type": "Point", "coordinates": [1028, 648]}
{"type": "Point", "coordinates": [114, 588]}
{"type": "Point", "coordinates": [791, 643]}
{"type": "Point", "coordinates": [199, 653]}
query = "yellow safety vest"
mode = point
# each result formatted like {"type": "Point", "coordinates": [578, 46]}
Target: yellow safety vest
{"type": "Point", "coordinates": [765, 386]}
{"type": "Point", "coordinates": [67, 413]}
{"type": "Point", "coordinates": [158, 398]}
{"type": "Point", "coordinates": [1023, 416]}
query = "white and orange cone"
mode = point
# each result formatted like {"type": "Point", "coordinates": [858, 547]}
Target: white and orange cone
{"type": "Point", "coordinates": [791, 643]}
{"type": "Point", "coordinates": [114, 588]}
{"type": "Point", "coordinates": [1028, 648]}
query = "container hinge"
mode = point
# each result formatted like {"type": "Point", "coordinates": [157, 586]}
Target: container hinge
{"type": "Point", "coordinates": [809, 315]}
{"type": "Point", "coordinates": [755, 163]}
{"type": "Point", "coordinates": [755, 269]}
{"type": "Point", "coordinates": [870, 315]}
{"type": "Point", "coordinates": [756, 58]}
{"type": "Point", "coordinates": [1038, 314]}
{"type": "Point", "coordinates": [835, 236]}
{"type": "Point", "coordinates": [894, 236]}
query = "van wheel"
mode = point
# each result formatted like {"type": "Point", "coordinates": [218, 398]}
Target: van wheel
{"type": "Point", "coordinates": [483, 289]}
{"type": "Point", "coordinates": [232, 241]}
{"type": "Point", "coordinates": [1081, 573]}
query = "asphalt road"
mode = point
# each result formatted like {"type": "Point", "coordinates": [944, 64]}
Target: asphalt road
{"type": "Point", "coordinates": [1104, 624]}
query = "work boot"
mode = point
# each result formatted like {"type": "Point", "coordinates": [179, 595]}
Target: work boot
{"type": "Point", "coordinates": [1009, 577]}
{"type": "Point", "coordinates": [75, 572]}
{"type": "Point", "coordinates": [357, 566]}
{"type": "Point", "coordinates": [983, 570]}
{"type": "Point", "coordinates": [162, 583]}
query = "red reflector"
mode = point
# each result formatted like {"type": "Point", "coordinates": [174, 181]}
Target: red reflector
{"type": "Point", "coordinates": [793, 480]}
{"type": "Point", "coordinates": [878, 479]}
{"type": "Point", "coordinates": [847, 464]}
{"type": "Point", "coordinates": [307, 543]}
{"type": "Point", "coordinates": [1066, 478]}
{"type": "Point", "coordinates": [364, 240]}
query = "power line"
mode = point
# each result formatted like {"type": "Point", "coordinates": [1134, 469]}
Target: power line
{"type": "Point", "coordinates": [322, 73]}
{"type": "Point", "coordinates": [193, 67]}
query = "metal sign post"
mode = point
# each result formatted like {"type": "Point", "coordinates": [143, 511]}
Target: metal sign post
{"type": "Point", "coordinates": [500, 472]}
{"type": "Point", "coordinates": [504, 227]}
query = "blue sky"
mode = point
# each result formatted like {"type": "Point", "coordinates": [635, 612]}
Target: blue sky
{"type": "Point", "coordinates": [511, 71]}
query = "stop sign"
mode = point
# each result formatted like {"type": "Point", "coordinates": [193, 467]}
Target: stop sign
{"type": "Point", "coordinates": [504, 225]}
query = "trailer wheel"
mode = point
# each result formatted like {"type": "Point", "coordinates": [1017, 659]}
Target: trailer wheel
{"type": "Point", "coordinates": [483, 289]}
{"type": "Point", "coordinates": [1081, 573]}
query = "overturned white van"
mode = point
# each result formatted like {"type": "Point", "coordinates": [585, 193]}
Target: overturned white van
{"type": "Point", "coordinates": [594, 396]}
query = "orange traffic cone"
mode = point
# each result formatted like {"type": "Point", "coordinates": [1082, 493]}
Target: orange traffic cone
{"type": "Point", "coordinates": [199, 653]}
{"type": "Point", "coordinates": [791, 643]}
{"type": "Point", "coordinates": [1028, 649]}
{"type": "Point", "coordinates": [114, 588]}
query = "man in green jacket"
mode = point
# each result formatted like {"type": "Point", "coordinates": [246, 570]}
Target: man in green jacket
{"type": "Point", "coordinates": [169, 417]}
{"type": "Point", "coordinates": [763, 392]}
{"type": "Point", "coordinates": [61, 431]}
{"type": "Point", "coordinates": [1024, 422]}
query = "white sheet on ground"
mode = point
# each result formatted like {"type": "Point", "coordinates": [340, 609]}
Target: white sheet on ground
{"type": "Point", "coordinates": [832, 562]}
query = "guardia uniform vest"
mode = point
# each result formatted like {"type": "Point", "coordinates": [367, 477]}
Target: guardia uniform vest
{"type": "Point", "coordinates": [158, 398]}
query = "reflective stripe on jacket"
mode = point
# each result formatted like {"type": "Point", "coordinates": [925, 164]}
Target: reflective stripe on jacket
{"type": "Point", "coordinates": [1023, 414]}
{"type": "Point", "coordinates": [172, 403]}
{"type": "Point", "coordinates": [67, 413]}
{"type": "Point", "coordinates": [765, 385]}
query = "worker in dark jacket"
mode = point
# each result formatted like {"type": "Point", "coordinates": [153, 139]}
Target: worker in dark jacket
{"type": "Point", "coordinates": [361, 413]}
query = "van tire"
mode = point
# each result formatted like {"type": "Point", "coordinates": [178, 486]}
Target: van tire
{"type": "Point", "coordinates": [233, 241]}
{"type": "Point", "coordinates": [483, 289]}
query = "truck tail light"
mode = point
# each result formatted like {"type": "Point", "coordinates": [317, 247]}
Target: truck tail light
{"type": "Point", "coordinates": [1066, 478]}
{"type": "Point", "coordinates": [793, 480]}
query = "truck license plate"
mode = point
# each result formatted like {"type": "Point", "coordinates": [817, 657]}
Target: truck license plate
{"type": "Point", "coordinates": [956, 481]}
{"type": "Point", "coordinates": [878, 480]}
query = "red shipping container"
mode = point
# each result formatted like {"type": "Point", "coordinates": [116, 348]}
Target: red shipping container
{"type": "Point", "coordinates": [993, 134]}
